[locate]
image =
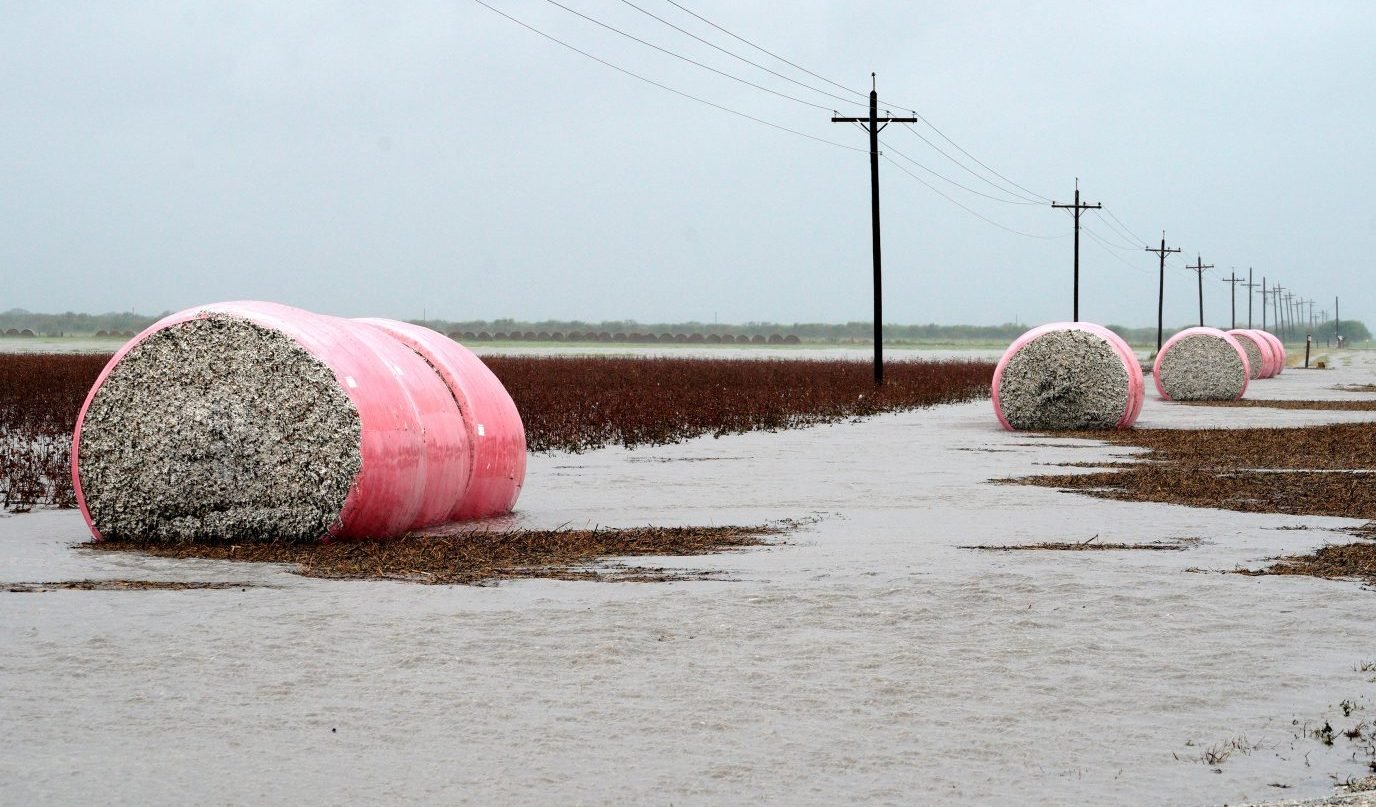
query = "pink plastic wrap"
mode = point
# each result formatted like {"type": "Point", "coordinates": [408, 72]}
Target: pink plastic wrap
{"type": "Point", "coordinates": [1278, 348]}
{"type": "Point", "coordinates": [1201, 331]}
{"type": "Point", "coordinates": [1136, 386]}
{"type": "Point", "coordinates": [497, 467]}
{"type": "Point", "coordinates": [1268, 351]}
{"type": "Point", "coordinates": [1268, 356]}
{"type": "Point", "coordinates": [417, 450]}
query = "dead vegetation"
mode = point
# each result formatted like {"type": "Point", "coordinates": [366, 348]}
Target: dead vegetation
{"type": "Point", "coordinates": [123, 585]}
{"type": "Point", "coordinates": [576, 403]}
{"type": "Point", "coordinates": [1313, 470]}
{"type": "Point", "coordinates": [474, 556]}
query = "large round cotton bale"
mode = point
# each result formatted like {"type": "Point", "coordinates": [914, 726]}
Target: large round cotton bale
{"type": "Point", "coordinates": [1068, 375]}
{"type": "Point", "coordinates": [251, 421]}
{"type": "Point", "coordinates": [1201, 364]}
{"type": "Point", "coordinates": [1277, 349]}
{"type": "Point", "coordinates": [1257, 360]}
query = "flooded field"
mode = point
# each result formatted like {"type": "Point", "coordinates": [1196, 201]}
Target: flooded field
{"type": "Point", "coordinates": [864, 656]}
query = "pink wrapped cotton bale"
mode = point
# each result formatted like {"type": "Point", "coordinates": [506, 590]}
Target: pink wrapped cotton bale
{"type": "Point", "coordinates": [1068, 375]}
{"type": "Point", "coordinates": [1277, 349]}
{"type": "Point", "coordinates": [249, 421]}
{"type": "Point", "coordinates": [1201, 364]}
{"type": "Point", "coordinates": [1258, 350]}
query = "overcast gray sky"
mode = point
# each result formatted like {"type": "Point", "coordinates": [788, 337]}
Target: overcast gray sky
{"type": "Point", "coordinates": [399, 158]}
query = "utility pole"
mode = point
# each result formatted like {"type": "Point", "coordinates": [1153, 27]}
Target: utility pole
{"type": "Point", "coordinates": [1199, 267]}
{"type": "Point", "coordinates": [1079, 208]}
{"type": "Point", "coordinates": [1263, 302]}
{"type": "Point", "coordinates": [1232, 280]}
{"type": "Point", "coordinates": [1290, 313]}
{"type": "Point", "coordinates": [1161, 289]}
{"type": "Point", "coordinates": [874, 125]}
{"type": "Point", "coordinates": [1336, 333]}
{"type": "Point", "coordinates": [1275, 310]}
{"type": "Point", "coordinates": [1249, 285]}
{"type": "Point", "coordinates": [1310, 303]}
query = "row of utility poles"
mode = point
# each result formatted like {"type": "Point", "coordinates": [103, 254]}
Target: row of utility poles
{"type": "Point", "coordinates": [1289, 310]}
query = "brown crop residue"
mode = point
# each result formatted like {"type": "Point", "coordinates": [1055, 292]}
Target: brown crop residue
{"type": "Point", "coordinates": [122, 585]}
{"type": "Point", "coordinates": [40, 395]}
{"type": "Point", "coordinates": [478, 556]}
{"type": "Point", "coordinates": [1327, 470]}
{"type": "Point", "coordinates": [583, 402]}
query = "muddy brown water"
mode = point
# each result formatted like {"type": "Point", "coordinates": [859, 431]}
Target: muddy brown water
{"type": "Point", "coordinates": [867, 659]}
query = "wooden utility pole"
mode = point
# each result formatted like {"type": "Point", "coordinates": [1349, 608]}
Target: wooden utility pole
{"type": "Point", "coordinates": [1275, 310]}
{"type": "Point", "coordinates": [1199, 267]}
{"type": "Point", "coordinates": [1249, 285]}
{"type": "Point", "coordinates": [1263, 302]}
{"type": "Point", "coordinates": [1232, 280]}
{"type": "Point", "coordinates": [1336, 333]}
{"type": "Point", "coordinates": [1161, 288]}
{"type": "Point", "coordinates": [874, 125]}
{"type": "Point", "coordinates": [1079, 208]}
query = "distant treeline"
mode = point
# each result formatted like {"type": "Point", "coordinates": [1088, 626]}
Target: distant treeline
{"type": "Point", "coordinates": [73, 324]}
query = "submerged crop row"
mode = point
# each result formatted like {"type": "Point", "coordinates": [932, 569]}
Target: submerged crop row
{"type": "Point", "coordinates": [567, 403]}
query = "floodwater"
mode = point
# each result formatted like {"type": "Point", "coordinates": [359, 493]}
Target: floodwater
{"type": "Point", "coordinates": [868, 658]}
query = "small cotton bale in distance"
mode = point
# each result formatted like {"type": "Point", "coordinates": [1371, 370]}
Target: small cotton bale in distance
{"type": "Point", "coordinates": [1201, 364]}
{"type": "Point", "coordinates": [1068, 375]}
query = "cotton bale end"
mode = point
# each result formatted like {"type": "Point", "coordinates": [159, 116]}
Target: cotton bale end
{"type": "Point", "coordinates": [1068, 375]}
{"type": "Point", "coordinates": [1201, 364]}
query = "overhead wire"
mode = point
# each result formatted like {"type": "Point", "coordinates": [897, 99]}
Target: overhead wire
{"type": "Point", "coordinates": [685, 10]}
{"type": "Point", "coordinates": [692, 61]}
{"type": "Point", "coordinates": [689, 96]}
{"type": "Point", "coordinates": [974, 213]}
{"type": "Point", "coordinates": [742, 58]}
{"type": "Point", "coordinates": [938, 175]}
{"type": "Point", "coordinates": [967, 169]}
{"type": "Point", "coordinates": [923, 119]}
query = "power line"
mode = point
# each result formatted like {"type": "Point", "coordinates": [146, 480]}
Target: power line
{"type": "Point", "coordinates": [766, 52]}
{"type": "Point", "coordinates": [977, 160]}
{"type": "Point", "coordinates": [889, 147]}
{"type": "Point", "coordinates": [1119, 230]}
{"type": "Point", "coordinates": [1133, 236]}
{"type": "Point", "coordinates": [967, 169]}
{"type": "Point", "coordinates": [921, 119]}
{"type": "Point", "coordinates": [974, 213]}
{"type": "Point", "coordinates": [741, 58]}
{"type": "Point", "coordinates": [668, 52]}
{"type": "Point", "coordinates": [620, 69]}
